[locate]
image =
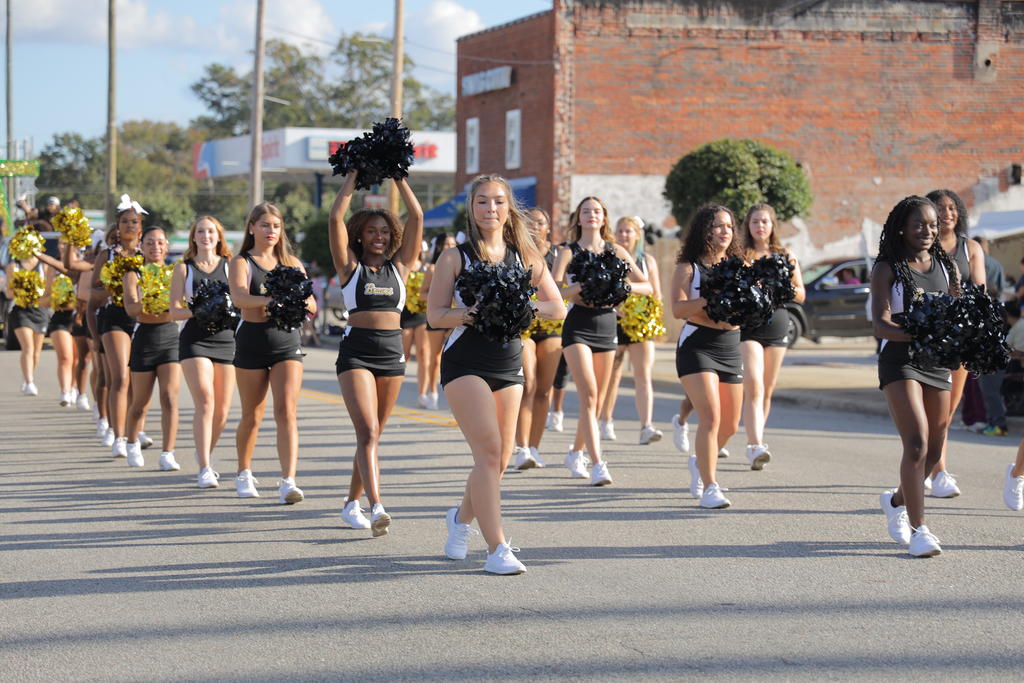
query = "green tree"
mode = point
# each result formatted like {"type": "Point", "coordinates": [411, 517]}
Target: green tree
{"type": "Point", "coordinates": [737, 174]}
{"type": "Point", "coordinates": [315, 246]}
{"type": "Point", "coordinates": [72, 166]}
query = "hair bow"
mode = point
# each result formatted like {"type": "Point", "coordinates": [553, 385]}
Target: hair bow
{"type": "Point", "coordinates": [129, 203]}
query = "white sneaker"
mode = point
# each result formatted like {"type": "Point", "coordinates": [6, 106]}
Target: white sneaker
{"type": "Point", "coordinates": [144, 440]}
{"type": "Point", "coordinates": [696, 485]}
{"type": "Point", "coordinates": [944, 486]}
{"type": "Point", "coordinates": [1013, 490]}
{"type": "Point", "coordinates": [353, 515]}
{"type": "Point", "coordinates": [457, 544]}
{"type": "Point", "coordinates": [555, 421]}
{"type": "Point", "coordinates": [101, 429]}
{"type": "Point", "coordinates": [168, 463]}
{"type": "Point", "coordinates": [648, 434]}
{"type": "Point", "coordinates": [432, 400]}
{"type": "Point", "coordinates": [681, 435]}
{"type": "Point", "coordinates": [82, 402]}
{"type": "Point", "coordinates": [380, 520]}
{"type": "Point", "coordinates": [133, 453]}
{"type": "Point", "coordinates": [896, 518]}
{"type": "Point", "coordinates": [713, 498]}
{"type": "Point", "coordinates": [977, 427]}
{"type": "Point", "coordinates": [607, 428]}
{"type": "Point", "coordinates": [928, 485]}
{"type": "Point", "coordinates": [208, 479]}
{"type": "Point", "coordinates": [119, 448]}
{"type": "Point", "coordinates": [522, 458]}
{"type": "Point", "coordinates": [288, 493]}
{"type": "Point", "coordinates": [29, 389]}
{"type": "Point", "coordinates": [96, 414]}
{"type": "Point", "coordinates": [73, 395]}
{"type": "Point", "coordinates": [502, 561]}
{"type": "Point", "coordinates": [758, 456]}
{"type": "Point", "coordinates": [599, 475]}
{"type": "Point", "coordinates": [576, 462]}
{"type": "Point", "coordinates": [66, 399]}
{"type": "Point", "coordinates": [245, 485]}
{"type": "Point", "coordinates": [536, 457]}
{"type": "Point", "coordinates": [723, 453]}
{"type": "Point", "coordinates": [109, 439]}
{"type": "Point", "coordinates": [923, 543]}
{"type": "Point", "coordinates": [422, 401]}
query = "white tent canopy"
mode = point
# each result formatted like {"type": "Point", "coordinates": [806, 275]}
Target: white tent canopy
{"type": "Point", "coordinates": [996, 225]}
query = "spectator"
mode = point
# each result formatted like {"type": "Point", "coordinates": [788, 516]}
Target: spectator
{"type": "Point", "coordinates": [995, 278]}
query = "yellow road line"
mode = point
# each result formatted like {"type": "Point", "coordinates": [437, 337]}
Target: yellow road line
{"type": "Point", "coordinates": [407, 413]}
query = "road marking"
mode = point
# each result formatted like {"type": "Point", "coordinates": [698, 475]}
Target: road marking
{"type": "Point", "coordinates": [407, 413]}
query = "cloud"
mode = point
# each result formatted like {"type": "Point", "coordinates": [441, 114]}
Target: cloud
{"type": "Point", "coordinates": [303, 23]}
{"type": "Point", "coordinates": [430, 40]}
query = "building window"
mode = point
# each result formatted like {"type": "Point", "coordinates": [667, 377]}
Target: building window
{"type": "Point", "coordinates": [473, 145]}
{"type": "Point", "coordinates": [512, 145]}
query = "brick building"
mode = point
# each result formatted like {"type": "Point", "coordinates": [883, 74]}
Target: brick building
{"type": "Point", "coordinates": [875, 99]}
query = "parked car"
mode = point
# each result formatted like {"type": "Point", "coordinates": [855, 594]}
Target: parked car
{"type": "Point", "coordinates": [836, 302]}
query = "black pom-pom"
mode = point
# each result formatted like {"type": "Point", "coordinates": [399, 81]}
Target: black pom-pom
{"type": "Point", "coordinates": [733, 294]}
{"type": "Point", "coordinates": [651, 234]}
{"type": "Point", "coordinates": [502, 296]}
{"type": "Point", "coordinates": [288, 289]}
{"type": "Point", "coordinates": [384, 152]}
{"type": "Point", "coordinates": [212, 307]}
{"type": "Point", "coordinates": [984, 323]}
{"type": "Point", "coordinates": [602, 277]}
{"type": "Point", "coordinates": [775, 275]}
{"type": "Point", "coordinates": [935, 323]}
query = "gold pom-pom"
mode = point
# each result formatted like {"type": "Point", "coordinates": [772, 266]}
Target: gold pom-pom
{"type": "Point", "coordinates": [62, 293]}
{"type": "Point", "coordinates": [28, 286]}
{"type": "Point", "coordinates": [26, 243]}
{"type": "Point", "coordinates": [73, 226]}
{"type": "Point", "coordinates": [112, 275]}
{"type": "Point", "coordinates": [155, 284]}
{"type": "Point", "coordinates": [641, 317]}
{"type": "Point", "coordinates": [543, 326]}
{"type": "Point", "coordinates": [414, 301]}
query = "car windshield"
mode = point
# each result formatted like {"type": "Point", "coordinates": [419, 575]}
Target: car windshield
{"type": "Point", "coordinates": [816, 271]}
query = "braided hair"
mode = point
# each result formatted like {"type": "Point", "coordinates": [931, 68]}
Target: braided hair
{"type": "Point", "coordinates": [891, 247]}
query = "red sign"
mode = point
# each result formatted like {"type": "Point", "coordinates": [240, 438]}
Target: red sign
{"type": "Point", "coordinates": [427, 150]}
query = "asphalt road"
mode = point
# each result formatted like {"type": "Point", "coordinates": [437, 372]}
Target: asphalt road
{"type": "Point", "coordinates": [115, 574]}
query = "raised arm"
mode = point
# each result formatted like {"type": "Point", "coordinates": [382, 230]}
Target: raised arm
{"type": "Point", "coordinates": [74, 261]}
{"type": "Point", "coordinates": [412, 234]}
{"type": "Point", "coordinates": [344, 258]}
{"type": "Point", "coordinates": [52, 262]}
{"type": "Point", "coordinates": [179, 311]}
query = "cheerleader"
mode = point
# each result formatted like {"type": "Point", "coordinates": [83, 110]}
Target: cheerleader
{"type": "Point", "coordinates": [373, 255]}
{"type": "Point", "coordinates": [482, 379]}
{"type": "Point", "coordinates": [910, 259]}
{"type": "Point", "coordinates": [83, 370]}
{"type": "Point", "coordinates": [764, 347]}
{"type": "Point", "coordinates": [542, 350]}
{"type": "Point", "coordinates": [629, 235]}
{"type": "Point", "coordinates": [59, 296]}
{"type": "Point", "coordinates": [154, 349]}
{"type": "Point", "coordinates": [970, 264]}
{"type": "Point", "coordinates": [435, 337]}
{"type": "Point", "coordinates": [588, 335]}
{"type": "Point", "coordinates": [26, 283]}
{"type": "Point", "coordinates": [414, 324]}
{"type": "Point", "coordinates": [707, 355]}
{"type": "Point", "coordinates": [79, 264]}
{"type": "Point", "coordinates": [206, 357]}
{"type": "Point", "coordinates": [113, 323]}
{"type": "Point", "coordinates": [265, 357]}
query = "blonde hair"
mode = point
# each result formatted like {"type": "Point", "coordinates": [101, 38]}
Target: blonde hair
{"type": "Point", "coordinates": [514, 231]}
{"type": "Point", "coordinates": [221, 249]}
{"type": "Point", "coordinates": [576, 231]}
{"type": "Point", "coordinates": [283, 249]}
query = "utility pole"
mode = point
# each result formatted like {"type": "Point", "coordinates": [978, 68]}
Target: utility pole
{"type": "Point", "coordinates": [396, 83]}
{"type": "Point", "coordinates": [256, 129]}
{"type": "Point", "coordinates": [109, 204]}
{"type": "Point", "coordinates": [10, 110]}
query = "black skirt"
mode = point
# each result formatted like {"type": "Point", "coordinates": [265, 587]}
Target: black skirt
{"type": "Point", "coordinates": [894, 365]}
{"type": "Point", "coordinates": [706, 349]}
{"type": "Point", "coordinates": [153, 344]}
{"type": "Point", "coordinates": [594, 327]}
{"type": "Point", "coordinates": [379, 351]}
{"type": "Point", "coordinates": [260, 346]}
{"type": "Point", "coordinates": [34, 318]}
{"type": "Point", "coordinates": [196, 342]}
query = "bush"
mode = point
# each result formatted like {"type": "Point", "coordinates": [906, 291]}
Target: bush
{"type": "Point", "coordinates": [737, 174]}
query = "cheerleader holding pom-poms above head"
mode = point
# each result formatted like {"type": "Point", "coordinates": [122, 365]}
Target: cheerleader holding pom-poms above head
{"type": "Point", "coordinates": [373, 255]}
{"type": "Point", "coordinates": [491, 277]}
{"type": "Point", "coordinates": [764, 346]}
{"type": "Point", "coordinates": [154, 348]}
{"type": "Point", "coordinates": [206, 344]}
{"type": "Point", "coordinates": [596, 275]}
{"type": "Point", "coordinates": [638, 325]}
{"type": "Point", "coordinates": [270, 287]}
{"type": "Point", "coordinates": [970, 262]}
{"type": "Point", "coordinates": [912, 275]}
{"type": "Point", "coordinates": [542, 349]}
{"type": "Point", "coordinates": [708, 353]}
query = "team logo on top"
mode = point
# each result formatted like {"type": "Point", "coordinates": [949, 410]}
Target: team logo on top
{"type": "Point", "coordinates": [371, 289]}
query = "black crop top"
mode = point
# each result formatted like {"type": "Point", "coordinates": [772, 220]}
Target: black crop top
{"type": "Point", "coordinates": [367, 290]}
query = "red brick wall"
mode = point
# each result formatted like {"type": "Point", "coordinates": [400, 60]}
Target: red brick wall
{"type": "Point", "coordinates": [874, 115]}
{"type": "Point", "coordinates": [529, 40]}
